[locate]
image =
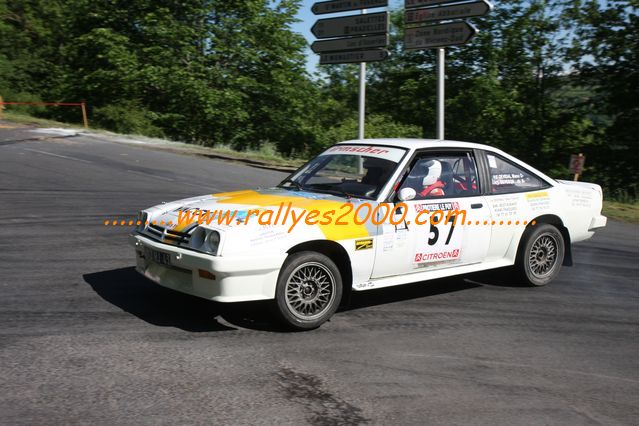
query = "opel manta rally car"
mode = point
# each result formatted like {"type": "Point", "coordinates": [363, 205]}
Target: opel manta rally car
{"type": "Point", "coordinates": [366, 214]}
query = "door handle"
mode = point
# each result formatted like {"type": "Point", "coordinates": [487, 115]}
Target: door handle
{"type": "Point", "coordinates": [476, 206]}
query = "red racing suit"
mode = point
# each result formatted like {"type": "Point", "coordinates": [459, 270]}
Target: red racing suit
{"type": "Point", "coordinates": [434, 190]}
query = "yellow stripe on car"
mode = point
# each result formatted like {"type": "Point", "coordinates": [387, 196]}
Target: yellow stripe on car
{"type": "Point", "coordinates": [332, 231]}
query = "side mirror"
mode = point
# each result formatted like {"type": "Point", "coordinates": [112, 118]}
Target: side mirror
{"type": "Point", "coordinates": [406, 194]}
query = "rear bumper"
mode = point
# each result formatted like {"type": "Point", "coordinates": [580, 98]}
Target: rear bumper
{"type": "Point", "coordinates": [235, 279]}
{"type": "Point", "coordinates": [597, 222]}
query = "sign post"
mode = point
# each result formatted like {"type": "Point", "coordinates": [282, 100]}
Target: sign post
{"type": "Point", "coordinates": [577, 165]}
{"type": "Point", "coordinates": [441, 35]}
{"type": "Point", "coordinates": [373, 23]}
{"type": "Point", "coordinates": [335, 6]}
{"type": "Point", "coordinates": [362, 100]}
{"type": "Point", "coordinates": [447, 12]}
{"type": "Point", "coordinates": [353, 57]}
{"type": "Point", "coordinates": [441, 80]}
{"type": "Point", "coordinates": [351, 44]}
{"type": "Point", "coordinates": [353, 39]}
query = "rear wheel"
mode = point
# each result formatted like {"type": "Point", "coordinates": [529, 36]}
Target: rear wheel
{"type": "Point", "coordinates": [541, 254]}
{"type": "Point", "coordinates": [309, 290]}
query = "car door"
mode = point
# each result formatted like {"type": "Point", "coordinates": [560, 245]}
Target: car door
{"type": "Point", "coordinates": [445, 224]}
{"type": "Point", "coordinates": [513, 195]}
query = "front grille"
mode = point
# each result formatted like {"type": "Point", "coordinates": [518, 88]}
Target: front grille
{"type": "Point", "coordinates": [168, 235]}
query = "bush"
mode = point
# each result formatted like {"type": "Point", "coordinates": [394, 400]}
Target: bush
{"type": "Point", "coordinates": [128, 118]}
{"type": "Point", "coordinates": [9, 96]}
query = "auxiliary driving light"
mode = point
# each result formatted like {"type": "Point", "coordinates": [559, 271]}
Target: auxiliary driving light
{"type": "Point", "coordinates": [213, 241]}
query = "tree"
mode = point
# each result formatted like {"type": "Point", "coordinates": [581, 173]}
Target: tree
{"type": "Point", "coordinates": [605, 53]}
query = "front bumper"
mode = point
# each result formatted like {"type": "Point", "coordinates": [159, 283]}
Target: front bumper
{"type": "Point", "coordinates": [235, 279]}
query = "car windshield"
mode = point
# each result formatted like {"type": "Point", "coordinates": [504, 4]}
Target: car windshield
{"type": "Point", "coordinates": [359, 171]}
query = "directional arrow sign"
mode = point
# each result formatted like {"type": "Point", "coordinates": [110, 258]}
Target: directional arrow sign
{"type": "Point", "coordinates": [357, 56]}
{"type": "Point", "coordinates": [455, 11]}
{"type": "Point", "coordinates": [350, 43]}
{"type": "Point", "coordinates": [335, 6]}
{"type": "Point", "coordinates": [439, 35]}
{"type": "Point", "coordinates": [374, 23]}
{"type": "Point", "coordinates": [409, 4]}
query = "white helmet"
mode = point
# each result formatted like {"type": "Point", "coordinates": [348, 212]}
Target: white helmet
{"type": "Point", "coordinates": [434, 172]}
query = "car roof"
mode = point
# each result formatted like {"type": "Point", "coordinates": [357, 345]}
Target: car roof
{"type": "Point", "coordinates": [413, 144]}
{"type": "Point", "coordinates": [418, 143]}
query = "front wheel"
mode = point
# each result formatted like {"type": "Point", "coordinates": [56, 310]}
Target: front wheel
{"type": "Point", "coordinates": [309, 290]}
{"type": "Point", "coordinates": [541, 255]}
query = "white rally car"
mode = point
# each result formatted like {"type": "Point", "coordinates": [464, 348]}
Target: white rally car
{"type": "Point", "coordinates": [370, 214]}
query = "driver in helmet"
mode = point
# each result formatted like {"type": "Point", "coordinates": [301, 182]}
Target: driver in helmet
{"type": "Point", "coordinates": [433, 186]}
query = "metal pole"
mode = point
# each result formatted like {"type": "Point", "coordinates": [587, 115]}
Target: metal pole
{"type": "Point", "coordinates": [441, 75]}
{"type": "Point", "coordinates": [577, 174]}
{"type": "Point", "coordinates": [362, 108]}
{"type": "Point", "coordinates": [362, 98]}
{"type": "Point", "coordinates": [362, 95]}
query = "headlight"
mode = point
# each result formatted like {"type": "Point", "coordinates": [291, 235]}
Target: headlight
{"type": "Point", "coordinates": [205, 240]}
{"type": "Point", "coordinates": [197, 238]}
{"type": "Point", "coordinates": [213, 241]}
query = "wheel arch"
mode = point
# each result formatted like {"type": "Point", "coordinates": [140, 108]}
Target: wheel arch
{"type": "Point", "coordinates": [337, 254]}
{"type": "Point", "coordinates": [556, 221]}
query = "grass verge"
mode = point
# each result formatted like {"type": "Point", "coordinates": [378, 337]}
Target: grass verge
{"type": "Point", "coordinates": [20, 118]}
{"type": "Point", "coordinates": [625, 212]}
{"type": "Point", "coordinates": [267, 155]}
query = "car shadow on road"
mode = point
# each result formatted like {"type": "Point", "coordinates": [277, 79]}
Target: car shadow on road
{"type": "Point", "coordinates": [133, 293]}
{"type": "Point", "coordinates": [500, 277]}
{"type": "Point", "coordinates": [405, 292]}
{"type": "Point", "coordinates": [163, 307]}
{"type": "Point", "coordinates": [159, 306]}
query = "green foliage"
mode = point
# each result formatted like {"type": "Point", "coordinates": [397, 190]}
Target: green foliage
{"type": "Point", "coordinates": [377, 126]}
{"type": "Point", "coordinates": [543, 79]}
{"type": "Point", "coordinates": [605, 50]}
{"type": "Point", "coordinates": [128, 118]}
{"type": "Point", "coordinates": [207, 72]}
{"type": "Point", "coordinates": [10, 96]}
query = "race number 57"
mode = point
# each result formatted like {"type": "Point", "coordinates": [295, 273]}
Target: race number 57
{"type": "Point", "coordinates": [434, 231]}
{"type": "Point", "coordinates": [440, 241]}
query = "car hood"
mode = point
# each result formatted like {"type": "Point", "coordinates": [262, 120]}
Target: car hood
{"type": "Point", "coordinates": [168, 215]}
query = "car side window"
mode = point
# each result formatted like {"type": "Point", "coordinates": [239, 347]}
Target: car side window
{"type": "Point", "coordinates": [443, 175]}
{"type": "Point", "coordinates": [507, 177]}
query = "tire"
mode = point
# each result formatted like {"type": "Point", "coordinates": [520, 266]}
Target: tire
{"type": "Point", "coordinates": [540, 255]}
{"type": "Point", "coordinates": [309, 290]}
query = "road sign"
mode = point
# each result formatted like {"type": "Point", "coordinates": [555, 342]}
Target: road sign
{"type": "Point", "coordinates": [410, 4]}
{"type": "Point", "coordinates": [373, 23]}
{"type": "Point", "coordinates": [335, 6]}
{"type": "Point", "coordinates": [439, 35]}
{"type": "Point", "coordinates": [577, 164]}
{"type": "Point", "coordinates": [351, 57]}
{"type": "Point", "coordinates": [350, 43]}
{"type": "Point", "coordinates": [455, 11]}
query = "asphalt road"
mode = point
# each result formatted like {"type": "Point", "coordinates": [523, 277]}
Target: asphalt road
{"type": "Point", "coordinates": [85, 340]}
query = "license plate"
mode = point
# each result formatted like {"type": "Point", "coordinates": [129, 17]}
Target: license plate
{"type": "Point", "coordinates": [157, 256]}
